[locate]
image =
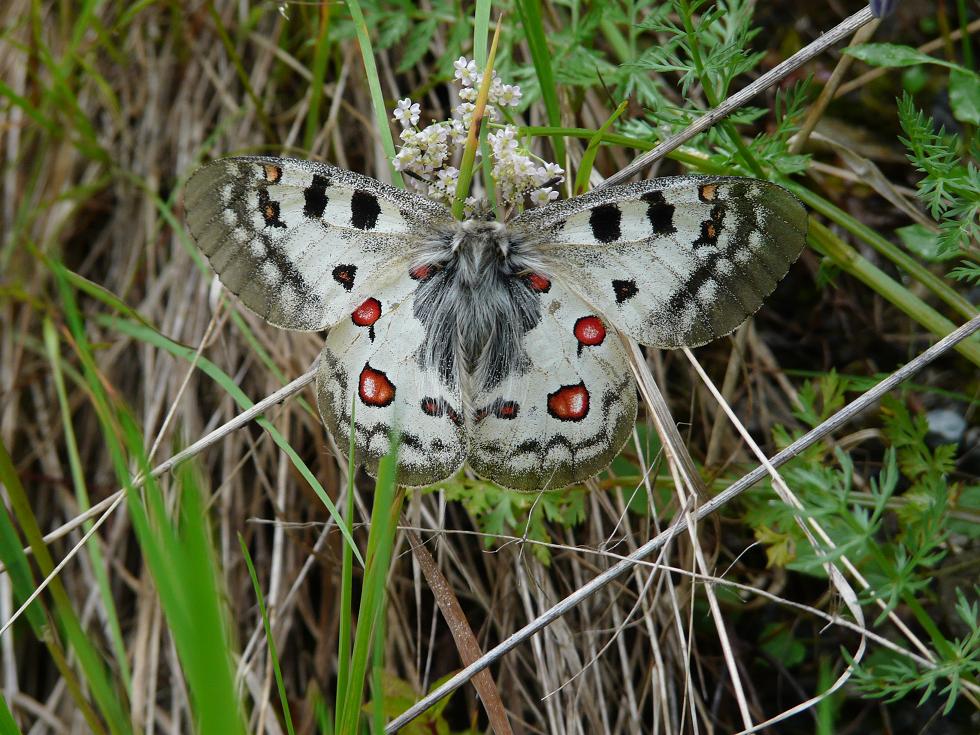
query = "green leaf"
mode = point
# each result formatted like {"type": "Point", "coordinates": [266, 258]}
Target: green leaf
{"type": "Point", "coordinates": [964, 96]}
{"type": "Point", "coordinates": [888, 54]}
{"type": "Point", "coordinates": [778, 641]}
{"type": "Point", "coordinates": [894, 55]}
{"type": "Point", "coordinates": [924, 242]}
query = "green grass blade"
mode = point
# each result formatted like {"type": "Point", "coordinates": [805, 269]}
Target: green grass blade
{"type": "Point", "coordinates": [88, 659]}
{"type": "Point", "coordinates": [8, 726]}
{"type": "Point", "coordinates": [374, 85]}
{"type": "Point", "coordinates": [384, 517]}
{"type": "Point", "coordinates": [15, 562]}
{"type": "Point", "coordinates": [901, 259]}
{"type": "Point", "coordinates": [588, 158]}
{"type": "Point", "coordinates": [99, 567]}
{"type": "Point", "coordinates": [346, 579]}
{"type": "Point", "coordinates": [377, 676]}
{"type": "Point", "coordinates": [530, 14]}
{"type": "Point", "coordinates": [180, 556]}
{"type": "Point", "coordinates": [481, 29]}
{"type": "Point", "coordinates": [321, 55]}
{"type": "Point", "coordinates": [474, 134]}
{"type": "Point", "coordinates": [268, 636]}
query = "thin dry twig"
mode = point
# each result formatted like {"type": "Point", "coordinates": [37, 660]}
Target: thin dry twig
{"type": "Point", "coordinates": [466, 643]}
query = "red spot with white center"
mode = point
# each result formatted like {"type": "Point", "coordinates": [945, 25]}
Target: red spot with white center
{"type": "Point", "coordinates": [367, 313]}
{"type": "Point", "coordinates": [539, 283]}
{"type": "Point", "coordinates": [374, 388]}
{"type": "Point", "coordinates": [569, 403]}
{"type": "Point", "coordinates": [421, 272]}
{"type": "Point", "coordinates": [589, 331]}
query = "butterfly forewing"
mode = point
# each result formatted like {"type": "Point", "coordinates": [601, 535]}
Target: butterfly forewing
{"type": "Point", "coordinates": [674, 262]}
{"type": "Point", "coordinates": [299, 242]}
{"type": "Point", "coordinates": [568, 412]}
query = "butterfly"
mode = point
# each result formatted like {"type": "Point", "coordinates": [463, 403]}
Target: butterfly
{"type": "Point", "coordinates": [491, 343]}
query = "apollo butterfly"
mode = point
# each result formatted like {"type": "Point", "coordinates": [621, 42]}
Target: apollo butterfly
{"type": "Point", "coordinates": [487, 342]}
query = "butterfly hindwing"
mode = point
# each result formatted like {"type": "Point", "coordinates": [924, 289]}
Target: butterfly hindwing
{"type": "Point", "coordinates": [370, 363]}
{"type": "Point", "coordinates": [673, 262]}
{"type": "Point", "coordinates": [299, 242]}
{"type": "Point", "coordinates": [568, 412]}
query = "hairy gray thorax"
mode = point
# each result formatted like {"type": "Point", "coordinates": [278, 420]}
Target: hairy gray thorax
{"type": "Point", "coordinates": [477, 299]}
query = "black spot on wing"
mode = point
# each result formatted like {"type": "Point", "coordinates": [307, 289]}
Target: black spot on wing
{"type": "Point", "coordinates": [660, 213]}
{"type": "Point", "coordinates": [344, 275]}
{"type": "Point", "coordinates": [624, 290]}
{"type": "Point", "coordinates": [269, 210]}
{"type": "Point", "coordinates": [605, 222]}
{"type": "Point", "coordinates": [316, 197]}
{"type": "Point", "coordinates": [711, 228]}
{"type": "Point", "coordinates": [364, 210]}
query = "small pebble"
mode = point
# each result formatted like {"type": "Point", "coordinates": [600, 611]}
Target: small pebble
{"type": "Point", "coordinates": [947, 424]}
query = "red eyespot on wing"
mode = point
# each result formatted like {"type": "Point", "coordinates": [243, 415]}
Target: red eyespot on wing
{"type": "Point", "coordinates": [421, 273]}
{"type": "Point", "coordinates": [589, 331]}
{"type": "Point", "coordinates": [367, 313]}
{"type": "Point", "coordinates": [569, 403]}
{"type": "Point", "coordinates": [431, 407]}
{"type": "Point", "coordinates": [539, 283]}
{"type": "Point", "coordinates": [374, 388]}
{"type": "Point", "coordinates": [506, 409]}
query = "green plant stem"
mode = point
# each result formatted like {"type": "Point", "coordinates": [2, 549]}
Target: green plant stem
{"type": "Point", "coordinates": [709, 94]}
{"type": "Point", "coordinates": [965, 36]}
{"type": "Point", "coordinates": [904, 261]}
{"type": "Point", "coordinates": [848, 259]}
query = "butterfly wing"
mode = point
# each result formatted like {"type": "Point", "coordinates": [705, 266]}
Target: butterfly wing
{"type": "Point", "coordinates": [371, 363]}
{"type": "Point", "coordinates": [567, 412]}
{"type": "Point", "coordinates": [677, 261]}
{"type": "Point", "coordinates": [301, 243]}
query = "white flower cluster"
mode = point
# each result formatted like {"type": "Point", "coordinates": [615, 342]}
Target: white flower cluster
{"type": "Point", "coordinates": [430, 152]}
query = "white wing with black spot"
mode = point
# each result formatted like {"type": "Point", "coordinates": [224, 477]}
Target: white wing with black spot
{"type": "Point", "coordinates": [672, 262]}
{"type": "Point", "coordinates": [302, 243]}
{"type": "Point", "coordinates": [371, 363]}
{"type": "Point", "coordinates": [564, 416]}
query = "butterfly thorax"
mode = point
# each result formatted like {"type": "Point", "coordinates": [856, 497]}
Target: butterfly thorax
{"type": "Point", "coordinates": [478, 298]}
